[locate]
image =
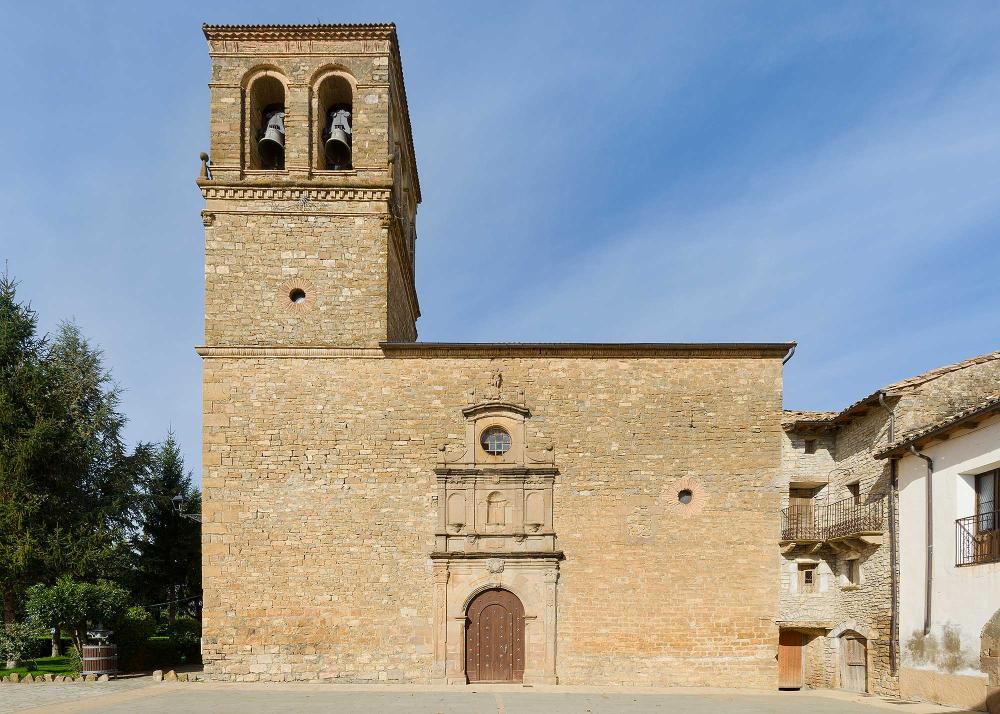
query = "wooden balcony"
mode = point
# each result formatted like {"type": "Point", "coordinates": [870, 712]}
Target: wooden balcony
{"type": "Point", "coordinates": [842, 521]}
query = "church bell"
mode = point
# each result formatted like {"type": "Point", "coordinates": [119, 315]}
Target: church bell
{"type": "Point", "coordinates": [338, 137]}
{"type": "Point", "coordinates": [272, 139]}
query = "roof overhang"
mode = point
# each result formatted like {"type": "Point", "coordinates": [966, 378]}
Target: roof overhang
{"type": "Point", "coordinates": [753, 350]}
{"type": "Point", "coordinates": [943, 429]}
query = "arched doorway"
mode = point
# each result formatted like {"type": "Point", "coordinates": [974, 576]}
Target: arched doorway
{"type": "Point", "coordinates": [494, 638]}
{"type": "Point", "coordinates": [853, 662]}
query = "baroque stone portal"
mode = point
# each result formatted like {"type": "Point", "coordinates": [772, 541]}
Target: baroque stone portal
{"type": "Point", "coordinates": [495, 531]}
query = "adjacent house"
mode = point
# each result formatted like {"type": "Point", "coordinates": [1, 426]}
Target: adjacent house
{"type": "Point", "coordinates": [949, 551]}
{"type": "Point", "coordinates": [853, 537]}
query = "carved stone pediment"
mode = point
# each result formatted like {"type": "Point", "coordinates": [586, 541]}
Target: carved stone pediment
{"type": "Point", "coordinates": [495, 500]}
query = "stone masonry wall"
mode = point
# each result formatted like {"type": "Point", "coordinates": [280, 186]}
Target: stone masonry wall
{"type": "Point", "coordinates": [842, 457]}
{"type": "Point", "coordinates": [797, 465]}
{"type": "Point", "coordinates": [400, 319]}
{"type": "Point", "coordinates": [947, 394]}
{"type": "Point", "coordinates": [318, 513]}
{"type": "Point", "coordinates": [253, 260]}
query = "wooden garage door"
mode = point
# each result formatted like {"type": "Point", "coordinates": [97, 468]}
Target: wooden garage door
{"type": "Point", "coordinates": [494, 640]}
{"type": "Point", "coordinates": [789, 660]}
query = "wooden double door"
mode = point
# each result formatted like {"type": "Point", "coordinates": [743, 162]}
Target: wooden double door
{"type": "Point", "coordinates": [494, 638]}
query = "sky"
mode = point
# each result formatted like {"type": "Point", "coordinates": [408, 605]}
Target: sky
{"type": "Point", "coordinates": [827, 173]}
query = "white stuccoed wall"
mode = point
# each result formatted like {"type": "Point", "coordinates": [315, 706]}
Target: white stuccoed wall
{"type": "Point", "coordinates": [963, 598]}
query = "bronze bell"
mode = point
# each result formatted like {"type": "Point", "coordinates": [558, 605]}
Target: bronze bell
{"type": "Point", "coordinates": [338, 137]}
{"type": "Point", "coordinates": [271, 144]}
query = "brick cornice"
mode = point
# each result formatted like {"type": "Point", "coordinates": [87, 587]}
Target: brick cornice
{"type": "Point", "coordinates": [361, 31]}
{"type": "Point", "coordinates": [292, 193]}
{"type": "Point", "coordinates": [589, 350]}
{"type": "Point", "coordinates": [512, 349]}
{"type": "Point", "coordinates": [290, 352]}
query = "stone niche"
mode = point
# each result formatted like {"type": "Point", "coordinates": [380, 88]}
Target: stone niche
{"type": "Point", "coordinates": [494, 530]}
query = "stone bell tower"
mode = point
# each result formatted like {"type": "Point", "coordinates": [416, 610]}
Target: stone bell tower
{"type": "Point", "coordinates": [310, 189]}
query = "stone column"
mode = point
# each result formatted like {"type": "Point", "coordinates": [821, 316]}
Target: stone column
{"type": "Point", "coordinates": [298, 134]}
{"type": "Point", "coordinates": [441, 576]}
{"type": "Point", "coordinates": [456, 650]}
{"type": "Point", "coordinates": [550, 579]}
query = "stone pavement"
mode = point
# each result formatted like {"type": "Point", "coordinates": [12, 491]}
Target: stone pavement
{"type": "Point", "coordinates": [143, 695]}
{"type": "Point", "coordinates": [16, 697]}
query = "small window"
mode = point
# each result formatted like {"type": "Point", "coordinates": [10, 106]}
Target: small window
{"type": "Point", "coordinates": [495, 441]}
{"type": "Point", "coordinates": [853, 571]}
{"type": "Point", "coordinates": [854, 492]}
{"type": "Point", "coordinates": [987, 486]}
{"type": "Point", "coordinates": [807, 578]}
{"type": "Point", "coordinates": [810, 446]}
{"type": "Point", "coordinates": [685, 496]}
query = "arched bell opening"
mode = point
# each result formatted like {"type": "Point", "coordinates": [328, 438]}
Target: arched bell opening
{"type": "Point", "coordinates": [266, 123]}
{"type": "Point", "coordinates": [335, 107]}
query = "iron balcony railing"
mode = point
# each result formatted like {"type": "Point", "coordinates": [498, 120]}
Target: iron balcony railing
{"type": "Point", "coordinates": [836, 520]}
{"type": "Point", "coordinates": [977, 538]}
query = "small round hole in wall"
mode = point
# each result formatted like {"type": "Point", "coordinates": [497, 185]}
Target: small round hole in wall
{"type": "Point", "coordinates": [685, 496]}
{"type": "Point", "coordinates": [297, 296]}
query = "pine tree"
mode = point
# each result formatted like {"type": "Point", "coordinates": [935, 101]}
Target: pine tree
{"type": "Point", "coordinates": [98, 479]}
{"type": "Point", "coordinates": [68, 484]}
{"type": "Point", "coordinates": [168, 548]}
{"type": "Point", "coordinates": [30, 431]}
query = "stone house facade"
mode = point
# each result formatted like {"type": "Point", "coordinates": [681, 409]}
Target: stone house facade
{"type": "Point", "coordinates": [839, 554]}
{"type": "Point", "coordinates": [380, 509]}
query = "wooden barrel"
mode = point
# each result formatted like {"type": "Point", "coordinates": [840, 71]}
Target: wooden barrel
{"type": "Point", "coordinates": [100, 659]}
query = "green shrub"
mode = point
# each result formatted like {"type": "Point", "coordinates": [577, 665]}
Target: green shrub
{"type": "Point", "coordinates": [42, 646]}
{"type": "Point", "coordinates": [186, 634]}
{"type": "Point", "coordinates": [17, 641]}
{"type": "Point", "coordinates": [187, 625]}
{"type": "Point", "coordinates": [73, 660]}
{"type": "Point", "coordinates": [131, 632]}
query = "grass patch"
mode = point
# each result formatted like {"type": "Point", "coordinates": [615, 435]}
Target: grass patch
{"type": "Point", "coordinates": [42, 665]}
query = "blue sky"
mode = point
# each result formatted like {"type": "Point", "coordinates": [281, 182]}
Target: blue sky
{"type": "Point", "coordinates": [685, 171]}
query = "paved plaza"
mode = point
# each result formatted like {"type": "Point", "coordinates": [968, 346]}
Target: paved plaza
{"type": "Point", "coordinates": [143, 695]}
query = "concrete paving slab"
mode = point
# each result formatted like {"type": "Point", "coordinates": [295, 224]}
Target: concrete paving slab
{"type": "Point", "coordinates": [143, 695]}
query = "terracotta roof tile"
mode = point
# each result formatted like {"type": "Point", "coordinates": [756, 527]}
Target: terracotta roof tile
{"type": "Point", "coordinates": [981, 407]}
{"type": "Point", "coordinates": [794, 417]}
{"type": "Point", "coordinates": [905, 385]}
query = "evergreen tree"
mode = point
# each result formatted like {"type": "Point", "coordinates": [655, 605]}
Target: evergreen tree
{"type": "Point", "coordinates": [168, 548]}
{"type": "Point", "coordinates": [31, 428]}
{"type": "Point", "coordinates": [98, 479]}
{"type": "Point", "coordinates": [68, 484]}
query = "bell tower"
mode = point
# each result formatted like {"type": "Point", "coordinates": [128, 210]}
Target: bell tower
{"type": "Point", "coordinates": [310, 189]}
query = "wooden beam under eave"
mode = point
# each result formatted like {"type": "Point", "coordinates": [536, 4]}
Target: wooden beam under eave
{"type": "Point", "coordinates": [972, 424]}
